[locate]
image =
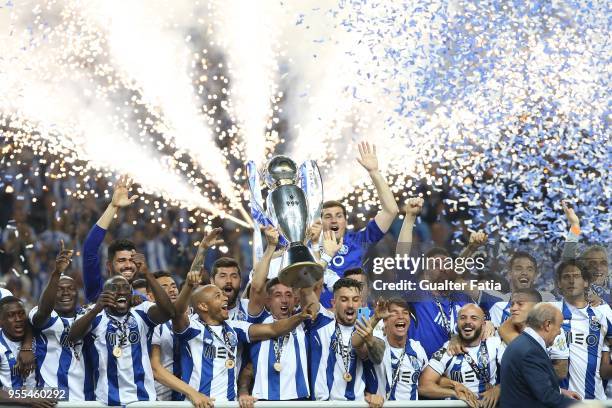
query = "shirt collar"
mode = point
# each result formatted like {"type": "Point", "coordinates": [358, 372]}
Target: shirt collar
{"type": "Point", "coordinates": [536, 337]}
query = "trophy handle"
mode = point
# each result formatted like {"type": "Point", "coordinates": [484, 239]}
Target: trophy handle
{"type": "Point", "coordinates": [311, 183]}
{"type": "Point", "coordinates": [257, 211]}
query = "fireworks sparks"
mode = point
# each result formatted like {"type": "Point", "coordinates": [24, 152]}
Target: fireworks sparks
{"type": "Point", "coordinates": [504, 103]}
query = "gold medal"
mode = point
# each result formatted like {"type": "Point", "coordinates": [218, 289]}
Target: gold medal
{"type": "Point", "coordinates": [229, 364]}
{"type": "Point", "coordinates": [117, 351]}
{"type": "Point", "coordinates": [278, 367]}
{"type": "Point", "coordinates": [347, 377]}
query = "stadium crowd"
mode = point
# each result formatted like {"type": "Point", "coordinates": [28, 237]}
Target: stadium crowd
{"type": "Point", "coordinates": [153, 323]}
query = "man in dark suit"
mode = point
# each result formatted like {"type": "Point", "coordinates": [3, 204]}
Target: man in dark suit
{"type": "Point", "coordinates": [528, 379]}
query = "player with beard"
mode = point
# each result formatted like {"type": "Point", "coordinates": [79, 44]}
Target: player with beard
{"type": "Point", "coordinates": [477, 369]}
{"type": "Point", "coordinates": [404, 358]}
{"type": "Point", "coordinates": [226, 276]}
{"type": "Point", "coordinates": [121, 253]}
{"type": "Point", "coordinates": [165, 358]}
{"type": "Point", "coordinates": [61, 364]}
{"type": "Point", "coordinates": [210, 345]}
{"type": "Point", "coordinates": [121, 337]}
{"type": "Point", "coordinates": [521, 303]}
{"type": "Point", "coordinates": [355, 243]}
{"type": "Point", "coordinates": [588, 329]}
{"type": "Point", "coordinates": [337, 371]}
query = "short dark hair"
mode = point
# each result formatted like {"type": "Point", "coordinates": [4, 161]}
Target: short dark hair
{"type": "Point", "coordinates": [162, 274]}
{"type": "Point", "coordinates": [119, 245]}
{"type": "Point", "coordinates": [8, 300]}
{"type": "Point", "coordinates": [271, 283]}
{"type": "Point", "coordinates": [534, 295]}
{"type": "Point", "coordinates": [522, 254]}
{"type": "Point", "coordinates": [224, 262]}
{"type": "Point", "coordinates": [139, 284]}
{"type": "Point", "coordinates": [334, 203]}
{"type": "Point", "coordinates": [347, 283]}
{"type": "Point", "coordinates": [355, 271]}
{"type": "Point", "coordinates": [397, 301]}
{"type": "Point", "coordinates": [586, 274]}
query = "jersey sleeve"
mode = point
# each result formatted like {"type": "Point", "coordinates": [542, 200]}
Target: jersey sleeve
{"type": "Point", "coordinates": [156, 338]}
{"type": "Point", "coordinates": [440, 359]}
{"type": "Point", "coordinates": [242, 330]}
{"type": "Point", "coordinates": [143, 311]}
{"type": "Point", "coordinates": [50, 321]}
{"type": "Point", "coordinates": [559, 350]}
{"type": "Point", "coordinates": [370, 234]}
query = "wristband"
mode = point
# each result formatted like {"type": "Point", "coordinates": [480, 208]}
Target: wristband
{"type": "Point", "coordinates": [326, 257]}
{"type": "Point", "coordinates": [25, 349]}
{"type": "Point", "coordinates": [575, 229]}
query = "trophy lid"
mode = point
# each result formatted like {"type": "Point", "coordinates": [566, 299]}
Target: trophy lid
{"type": "Point", "coordinates": [280, 170]}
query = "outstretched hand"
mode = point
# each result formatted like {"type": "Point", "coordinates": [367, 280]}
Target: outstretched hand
{"type": "Point", "coordinates": [63, 259]}
{"type": "Point", "coordinates": [367, 156]}
{"type": "Point", "coordinates": [570, 214]}
{"type": "Point", "coordinates": [121, 194]}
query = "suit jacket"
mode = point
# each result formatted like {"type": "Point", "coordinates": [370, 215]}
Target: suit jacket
{"type": "Point", "coordinates": [528, 379]}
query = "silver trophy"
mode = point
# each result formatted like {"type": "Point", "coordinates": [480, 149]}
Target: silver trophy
{"type": "Point", "coordinates": [291, 213]}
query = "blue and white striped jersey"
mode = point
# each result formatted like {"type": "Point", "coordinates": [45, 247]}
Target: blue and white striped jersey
{"type": "Point", "coordinates": [401, 385]}
{"type": "Point", "coordinates": [129, 377]}
{"type": "Point", "coordinates": [240, 311]}
{"type": "Point", "coordinates": [9, 376]}
{"type": "Point", "coordinates": [327, 367]}
{"type": "Point", "coordinates": [291, 382]}
{"type": "Point", "coordinates": [587, 330]}
{"type": "Point", "coordinates": [458, 368]}
{"type": "Point", "coordinates": [204, 356]}
{"type": "Point", "coordinates": [164, 337]}
{"type": "Point", "coordinates": [60, 364]}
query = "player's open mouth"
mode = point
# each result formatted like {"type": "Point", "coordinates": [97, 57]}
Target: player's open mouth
{"type": "Point", "coordinates": [524, 280]}
{"type": "Point", "coordinates": [467, 329]}
{"type": "Point", "coordinates": [400, 325]}
{"type": "Point", "coordinates": [334, 228]}
{"type": "Point", "coordinates": [228, 290]}
{"type": "Point", "coordinates": [121, 301]}
{"type": "Point", "coordinates": [65, 300]}
{"type": "Point", "coordinates": [284, 309]}
{"type": "Point", "coordinates": [350, 312]}
{"type": "Point", "coordinates": [224, 306]}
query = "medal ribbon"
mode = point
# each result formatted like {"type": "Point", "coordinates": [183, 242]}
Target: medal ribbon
{"type": "Point", "coordinates": [225, 341]}
{"type": "Point", "coordinates": [482, 373]}
{"type": "Point", "coordinates": [346, 357]}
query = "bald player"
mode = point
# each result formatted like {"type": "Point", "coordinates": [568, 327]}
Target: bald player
{"type": "Point", "coordinates": [475, 369]}
{"type": "Point", "coordinates": [210, 345]}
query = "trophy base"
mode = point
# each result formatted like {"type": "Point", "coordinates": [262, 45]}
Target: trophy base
{"type": "Point", "coordinates": [301, 271]}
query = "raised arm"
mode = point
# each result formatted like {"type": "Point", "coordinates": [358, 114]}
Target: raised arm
{"type": "Point", "coordinates": [181, 320]}
{"type": "Point", "coordinates": [412, 209]}
{"type": "Point", "coordinates": [92, 278]}
{"type": "Point", "coordinates": [165, 377]}
{"type": "Point", "coordinates": [366, 345]}
{"type": "Point", "coordinates": [163, 309]}
{"type": "Point", "coordinates": [209, 240]}
{"type": "Point", "coordinates": [570, 247]}
{"type": "Point", "coordinates": [47, 299]}
{"type": "Point", "coordinates": [257, 291]}
{"type": "Point", "coordinates": [258, 332]}
{"type": "Point", "coordinates": [81, 326]}
{"type": "Point", "coordinates": [367, 158]}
